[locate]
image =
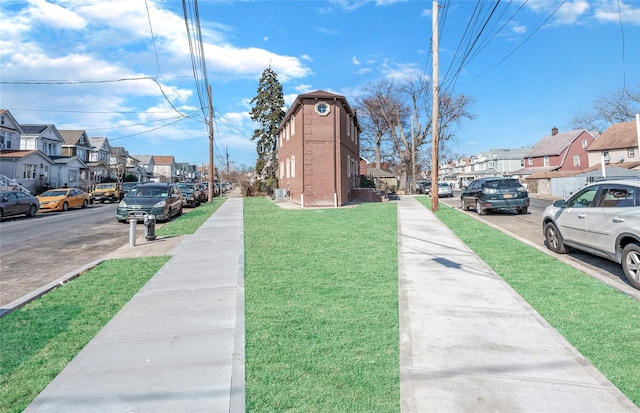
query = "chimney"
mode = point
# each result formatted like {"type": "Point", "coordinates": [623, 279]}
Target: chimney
{"type": "Point", "coordinates": [554, 131]}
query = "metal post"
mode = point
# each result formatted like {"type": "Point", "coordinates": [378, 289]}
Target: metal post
{"type": "Point", "coordinates": [132, 231]}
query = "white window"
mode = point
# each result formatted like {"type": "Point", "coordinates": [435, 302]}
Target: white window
{"type": "Point", "coordinates": [349, 127]}
{"type": "Point", "coordinates": [546, 161]}
{"type": "Point", "coordinates": [631, 153]}
{"type": "Point", "coordinates": [530, 161]}
{"type": "Point", "coordinates": [293, 166]}
{"type": "Point", "coordinates": [281, 170]}
{"type": "Point", "coordinates": [322, 108]}
{"type": "Point", "coordinates": [293, 126]}
{"type": "Point", "coordinates": [73, 175]}
{"type": "Point", "coordinates": [287, 131]}
{"type": "Point", "coordinates": [288, 168]}
{"type": "Point", "coordinates": [576, 160]}
{"type": "Point", "coordinates": [349, 165]}
{"type": "Point", "coordinates": [29, 171]}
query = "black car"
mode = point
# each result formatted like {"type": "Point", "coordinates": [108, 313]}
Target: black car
{"type": "Point", "coordinates": [164, 201]}
{"type": "Point", "coordinates": [496, 193]}
{"type": "Point", "coordinates": [18, 203]}
{"type": "Point", "coordinates": [191, 194]}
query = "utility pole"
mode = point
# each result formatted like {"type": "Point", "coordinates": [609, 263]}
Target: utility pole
{"type": "Point", "coordinates": [227, 152]}
{"type": "Point", "coordinates": [435, 112]}
{"type": "Point", "coordinates": [211, 167]}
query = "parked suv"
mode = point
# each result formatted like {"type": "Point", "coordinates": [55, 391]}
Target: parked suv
{"type": "Point", "coordinates": [159, 199]}
{"type": "Point", "coordinates": [191, 194]}
{"type": "Point", "coordinates": [106, 192]}
{"type": "Point", "coordinates": [602, 219]}
{"type": "Point", "coordinates": [496, 193]}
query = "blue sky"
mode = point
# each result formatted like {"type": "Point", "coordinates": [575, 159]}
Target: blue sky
{"type": "Point", "coordinates": [67, 62]}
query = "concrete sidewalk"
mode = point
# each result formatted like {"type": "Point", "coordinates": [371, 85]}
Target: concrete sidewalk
{"type": "Point", "coordinates": [178, 345]}
{"type": "Point", "coordinates": [468, 342]}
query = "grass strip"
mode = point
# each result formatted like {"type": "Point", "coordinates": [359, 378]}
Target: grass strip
{"type": "Point", "coordinates": [321, 308]}
{"type": "Point", "coordinates": [41, 338]}
{"type": "Point", "coordinates": [189, 223]}
{"type": "Point", "coordinates": [598, 320]}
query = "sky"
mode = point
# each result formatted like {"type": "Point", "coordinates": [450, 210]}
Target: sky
{"type": "Point", "coordinates": [122, 69]}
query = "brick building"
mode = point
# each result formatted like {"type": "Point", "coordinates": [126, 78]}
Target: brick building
{"type": "Point", "coordinates": [319, 150]}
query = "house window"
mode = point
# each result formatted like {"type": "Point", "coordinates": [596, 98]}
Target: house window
{"type": "Point", "coordinates": [530, 161]}
{"type": "Point", "coordinates": [29, 171]}
{"type": "Point", "coordinates": [349, 126]}
{"type": "Point", "coordinates": [631, 153]}
{"type": "Point", "coordinates": [348, 165]}
{"type": "Point", "coordinates": [293, 126]}
{"type": "Point", "coordinates": [322, 108]}
{"type": "Point", "coordinates": [293, 166]}
{"type": "Point", "coordinates": [281, 170]}
{"type": "Point", "coordinates": [522, 162]}
{"type": "Point", "coordinates": [576, 160]}
{"type": "Point", "coordinates": [546, 161]}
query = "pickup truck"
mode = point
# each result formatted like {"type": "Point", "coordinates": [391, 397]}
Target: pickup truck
{"type": "Point", "coordinates": [107, 192]}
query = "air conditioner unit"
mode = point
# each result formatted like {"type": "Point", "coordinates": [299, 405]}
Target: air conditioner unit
{"type": "Point", "coordinates": [606, 159]}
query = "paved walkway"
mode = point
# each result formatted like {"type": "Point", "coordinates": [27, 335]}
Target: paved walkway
{"type": "Point", "coordinates": [469, 343]}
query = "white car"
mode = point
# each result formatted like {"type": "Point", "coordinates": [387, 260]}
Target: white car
{"type": "Point", "coordinates": [603, 219]}
{"type": "Point", "coordinates": [444, 190]}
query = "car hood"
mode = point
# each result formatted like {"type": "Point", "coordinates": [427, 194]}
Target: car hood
{"type": "Point", "coordinates": [50, 198]}
{"type": "Point", "coordinates": [143, 201]}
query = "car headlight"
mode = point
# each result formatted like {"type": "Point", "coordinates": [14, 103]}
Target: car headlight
{"type": "Point", "coordinates": [160, 204]}
{"type": "Point", "coordinates": [122, 204]}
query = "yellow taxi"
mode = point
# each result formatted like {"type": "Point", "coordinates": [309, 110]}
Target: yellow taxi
{"type": "Point", "coordinates": [62, 199]}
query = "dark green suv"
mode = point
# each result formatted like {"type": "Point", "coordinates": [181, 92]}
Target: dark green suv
{"type": "Point", "coordinates": [486, 194]}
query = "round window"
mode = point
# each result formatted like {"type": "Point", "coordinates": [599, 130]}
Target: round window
{"type": "Point", "coordinates": [322, 108]}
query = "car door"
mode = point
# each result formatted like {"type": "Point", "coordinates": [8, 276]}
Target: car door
{"type": "Point", "coordinates": [572, 221]}
{"type": "Point", "coordinates": [468, 194]}
{"type": "Point", "coordinates": [23, 203]}
{"type": "Point", "coordinates": [11, 204]}
{"type": "Point", "coordinates": [614, 213]}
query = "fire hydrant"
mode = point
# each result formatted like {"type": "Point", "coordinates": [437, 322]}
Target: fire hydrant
{"type": "Point", "coordinates": [150, 227]}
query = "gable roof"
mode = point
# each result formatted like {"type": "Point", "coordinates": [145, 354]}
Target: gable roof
{"type": "Point", "coordinates": [144, 159]}
{"type": "Point", "coordinates": [617, 136]}
{"type": "Point", "coordinates": [13, 125]}
{"type": "Point", "coordinates": [33, 129]}
{"type": "Point", "coordinates": [22, 154]}
{"type": "Point", "coordinates": [163, 160]}
{"type": "Point", "coordinates": [74, 137]}
{"type": "Point", "coordinates": [318, 94]}
{"type": "Point", "coordinates": [99, 143]}
{"type": "Point", "coordinates": [552, 145]}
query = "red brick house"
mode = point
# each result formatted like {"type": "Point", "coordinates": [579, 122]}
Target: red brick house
{"type": "Point", "coordinates": [319, 150]}
{"type": "Point", "coordinates": [560, 151]}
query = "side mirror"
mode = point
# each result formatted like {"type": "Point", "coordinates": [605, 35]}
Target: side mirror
{"type": "Point", "coordinates": [560, 203]}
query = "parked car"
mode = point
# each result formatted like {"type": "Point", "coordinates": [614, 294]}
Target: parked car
{"type": "Point", "coordinates": [18, 203]}
{"type": "Point", "coordinates": [159, 199]}
{"type": "Point", "coordinates": [444, 190]}
{"type": "Point", "coordinates": [602, 219]}
{"type": "Point", "coordinates": [203, 192]}
{"type": "Point", "coordinates": [190, 193]}
{"type": "Point", "coordinates": [61, 199]}
{"type": "Point", "coordinates": [127, 187]}
{"type": "Point", "coordinates": [109, 191]}
{"type": "Point", "coordinates": [421, 186]}
{"type": "Point", "coordinates": [495, 193]}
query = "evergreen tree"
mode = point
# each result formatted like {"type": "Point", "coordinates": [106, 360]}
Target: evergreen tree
{"type": "Point", "coordinates": [267, 112]}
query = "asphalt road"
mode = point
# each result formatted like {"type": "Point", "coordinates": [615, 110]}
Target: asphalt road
{"type": "Point", "coordinates": [36, 251]}
{"type": "Point", "coordinates": [528, 228]}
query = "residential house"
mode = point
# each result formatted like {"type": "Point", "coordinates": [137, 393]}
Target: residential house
{"type": "Point", "coordinates": [10, 131]}
{"type": "Point", "coordinates": [99, 160]}
{"type": "Point", "coordinates": [26, 169]}
{"type": "Point", "coordinates": [164, 168]}
{"type": "Point", "coordinates": [69, 171]}
{"type": "Point", "coordinates": [187, 172]}
{"type": "Point", "coordinates": [76, 143]}
{"type": "Point", "coordinates": [319, 150]}
{"type": "Point", "coordinates": [44, 138]}
{"type": "Point", "coordinates": [384, 180]}
{"type": "Point", "coordinates": [560, 151]}
{"type": "Point", "coordinates": [619, 145]}
{"type": "Point", "coordinates": [146, 162]}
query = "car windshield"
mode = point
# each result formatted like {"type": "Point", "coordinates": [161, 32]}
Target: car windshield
{"type": "Point", "coordinates": [104, 186]}
{"type": "Point", "coordinates": [54, 193]}
{"type": "Point", "coordinates": [444, 185]}
{"type": "Point", "coordinates": [150, 192]}
{"type": "Point", "coordinates": [502, 184]}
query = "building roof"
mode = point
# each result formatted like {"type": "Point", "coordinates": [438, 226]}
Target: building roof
{"type": "Point", "coordinates": [33, 129]}
{"type": "Point", "coordinates": [163, 160]}
{"type": "Point", "coordinates": [318, 94]}
{"type": "Point", "coordinates": [16, 153]}
{"type": "Point", "coordinates": [71, 137]}
{"type": "Point", "coordinates": [516, 153]}
{"type": "Point", "coordinates": [98, 142]}
{"type": "Point", "coordinates": [144, 159]}
{"type": "Point", "coordinates": [617, 136]}
{"type": "Point", "coordinates": [552, 145]}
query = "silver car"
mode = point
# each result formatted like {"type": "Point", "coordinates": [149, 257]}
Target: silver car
{"type": "Point", "coordinates": [444, 190]}
{"type": "Point", "coordinates": [602, 219]}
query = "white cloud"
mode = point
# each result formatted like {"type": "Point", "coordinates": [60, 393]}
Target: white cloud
{"type": "Point", "coordinates": [49, 14]}
{"type": "Point", "coordinates": [610, 12]}
{"type": "Point", "coordinates": [400, 71]}
{"type": "Point", "coordinates": [355, 60]}
{"type": "Point", "coordinates": [571, 12]}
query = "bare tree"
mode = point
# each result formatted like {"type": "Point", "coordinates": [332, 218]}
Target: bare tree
{"type": "Point", "coordinates": [401, 116]}
{"type": "Point", "coordinates": [619, 106]}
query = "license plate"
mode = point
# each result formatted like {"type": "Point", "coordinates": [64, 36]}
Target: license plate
{"type": "Point", "coordinates": [507, 195]}
{"type": "Point", "coordinates": [138, 214]}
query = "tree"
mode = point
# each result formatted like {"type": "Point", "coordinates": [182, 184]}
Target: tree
{"type": "Point", "coordinates": [267, 112]}
{"type": "Point", "coordinates": [616, 107]}
{"type": "Point", "coordinates": [402, 119]}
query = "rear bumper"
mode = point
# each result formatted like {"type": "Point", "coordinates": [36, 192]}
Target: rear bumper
{"type": "Point", "coordinates": [505, 203]}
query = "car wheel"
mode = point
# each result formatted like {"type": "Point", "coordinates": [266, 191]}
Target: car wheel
{"type": "Point", "coordinates": [463, 206]}
{"type": "Point", "coordinates": [65, 206]}
{"type": "Point", "coordinates": [523, 211]}
{"type": "Point", "coordinates": [554, 239]}
{"type": "Point", "coordinates": [631, 264]}
{"type": "Point", "coordinates": [32, 211]}
{"type": "Point", "coordinates": [85, 203]}
{"type": "Point", "coordinates": [479, 209]}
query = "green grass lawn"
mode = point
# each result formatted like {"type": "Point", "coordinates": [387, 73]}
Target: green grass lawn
{"type": "Point", "coordinates": [39, 339]}
{"type": "Point", "coordinates": [190, 222]}
{"type": "Point", "coordinates": [600, 321]}
{"type": "Point", "coordinates": [321, 297]}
